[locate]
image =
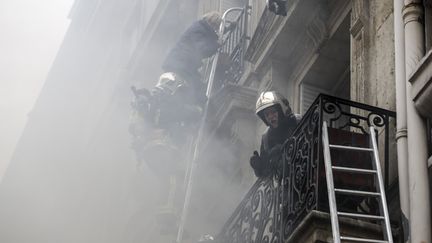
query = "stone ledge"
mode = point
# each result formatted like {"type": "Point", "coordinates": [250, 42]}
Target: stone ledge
{"type": "Point", "coordinates": [421, 81]}
{"type": "Point", "coordinates": [316, 227]}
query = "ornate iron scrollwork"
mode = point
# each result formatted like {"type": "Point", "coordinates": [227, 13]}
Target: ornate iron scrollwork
{"type": "Point", "coordinates": [255, 220]}
{"type": "Point", "coordinates": [300, 160]}
{"type": "Point", "coordinates": [233, 46]}
{"type": "Point", "coordinates": [275, 206]}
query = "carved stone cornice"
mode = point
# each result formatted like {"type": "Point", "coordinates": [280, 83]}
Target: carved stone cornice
{"type": "Point", "coordinates": [317, 30]}
{"type": "Point", "coordinates": [270, 27]}
{"type": "Point", "coordinates": [304, 29]}
{"type": "Point", "coordinates": [356, 27]}
{"type": "Point", "coordinates": [421, 81]}
{"type": "Point", "coordinates": [401, 133]}
{"type": "Point", "coordinates": [359, 50]}
{"type": "Point", "coordinates": [359, 17]}
{"type": "Point", "coordinates": [315, 227]}
{"type": "Point", "coordinates": [413, 12]}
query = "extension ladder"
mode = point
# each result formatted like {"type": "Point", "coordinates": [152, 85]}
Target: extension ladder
{"type": "Point", "coordinates": [376, 171]}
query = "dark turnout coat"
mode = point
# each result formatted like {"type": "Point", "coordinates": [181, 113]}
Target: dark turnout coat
{"type": "Point", "coordinates": [271, 145]}
{"type": "Point", "coordinates": [198, 42]}
{"type": "Point", "coordinates": [277, 136]}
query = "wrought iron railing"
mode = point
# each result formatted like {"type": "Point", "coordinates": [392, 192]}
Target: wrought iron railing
{"type": "Point", "coordinates": [275, 206]}
{"type": "Point", "coordinates": [233, 47]}
{"type": "Point", "coordinates": [231, 59]}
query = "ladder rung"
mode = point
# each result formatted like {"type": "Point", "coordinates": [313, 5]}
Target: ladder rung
{"type": "Point", "coordinates": [356, 192]}
{"type": "Point", "coordinates": [350, 148]}
{"type": "Point", "coordinates": [357, 215]}
{"type": "Point", "coordinates": [362, 239]}
{"type": "Point", "coordinates": [334, 214]}
{"type": "Point", "coordinates": [348, 169]}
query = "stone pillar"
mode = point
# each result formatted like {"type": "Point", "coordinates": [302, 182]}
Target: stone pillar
{"type": "Point", "coordinates": [420, 223]}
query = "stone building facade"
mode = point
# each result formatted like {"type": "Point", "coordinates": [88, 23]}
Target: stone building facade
{"type": "Point", "coordinates": [351, 50]}
{"type": "Point", "coordinates": [73, 176]}
{"type": "Point", "coordinates": [341, 48]}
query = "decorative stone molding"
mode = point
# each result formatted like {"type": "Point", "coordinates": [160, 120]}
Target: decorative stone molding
{"type": "Point", "coordinates": [401, 133]}
{"type": "Point", "coordinates": [421, 81]}
{"type": "Point", "coordinates": [359, 16]}
{"type": "Point", "coordinates": [359, 47]}
{"type": "Point", "coordinates": [317, 30]}
{"type": "Point", "coordinates": [412, 12]}
{"type": "Point", "coordinates": [356, 26]}
{"type": "Point", "coordinates": [316, 227]}
{"type": "Point", "coordinates": [421, 78]}
{"type": "Point", "coordinates": [294, 37]}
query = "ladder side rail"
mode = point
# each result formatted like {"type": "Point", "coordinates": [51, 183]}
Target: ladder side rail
{"type": "Point", "coordinates": [200, 133]}
{"type": "Point", "coordinates": [330, 185]}
{"type": "Point", "coordinates": [381, 184]}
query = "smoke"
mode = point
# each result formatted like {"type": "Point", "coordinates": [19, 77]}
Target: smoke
{"type": "Point", "coordinates": [74, 177]}
{"type": "Point", "coordinates": [220, 184]}
{"type": "Point", "coordinates": [31, 35]}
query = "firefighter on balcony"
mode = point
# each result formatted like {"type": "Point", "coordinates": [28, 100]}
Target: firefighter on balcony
{"type": "Point", "coordinates": [275, 111]}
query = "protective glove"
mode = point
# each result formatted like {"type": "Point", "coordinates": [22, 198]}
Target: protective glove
{"type": "Point", "coordinates": [255, 160]}
{"type": "Point", "coordinates": [258, 164]}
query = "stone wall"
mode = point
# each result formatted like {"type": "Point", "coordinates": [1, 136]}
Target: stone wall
{"type": "Point", "coordinates": [372, 59]}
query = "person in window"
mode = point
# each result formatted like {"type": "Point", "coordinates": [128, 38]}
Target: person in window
{"type": "Point", "coordinates": [275, 111]}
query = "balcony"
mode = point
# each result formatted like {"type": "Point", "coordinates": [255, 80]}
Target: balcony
{"type": "Point", "coordinates": [275, 209]}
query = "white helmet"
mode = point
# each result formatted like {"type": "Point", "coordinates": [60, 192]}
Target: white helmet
{"type": "Point", "coordinates": [168, 83]}
{"type": "Point", "coordinates": [272, 98]}
{"type": "Point", "coordinates": [206, 238]}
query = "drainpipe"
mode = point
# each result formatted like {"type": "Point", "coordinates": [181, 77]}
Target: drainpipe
{"type": "Point", "coordinates": [420, 225]}
{"type": "Point", "coordinates": [401, 118]}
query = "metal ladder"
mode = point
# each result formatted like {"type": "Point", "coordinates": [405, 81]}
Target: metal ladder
{"type": "Point", "coordinates": [334, 214]}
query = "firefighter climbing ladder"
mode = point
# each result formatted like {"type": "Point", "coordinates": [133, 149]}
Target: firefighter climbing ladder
{"type": "Point", "coordinates": [334, 214]}
{"type": "Point", "coordinates": [199, 139]}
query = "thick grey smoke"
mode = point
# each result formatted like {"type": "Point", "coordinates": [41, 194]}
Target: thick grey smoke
{"type": "Point", "coordinates": [31, 35]}
{"type": "Point", "coordinates": [73, 176]}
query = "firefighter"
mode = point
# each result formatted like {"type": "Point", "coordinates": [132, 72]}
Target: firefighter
{"type": "Point", "coordinates": [160, 123]}
{"type": "Point", "coordinates": [277, 6]}
{"type": "Point", "coordinates": [198, 42]}
{"type": "Point", "coordinates": [181, 85]}
{"type": "Point", "coordinates": [171, 109]}
{"type": "Point", "coordinates": [275, 111]}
